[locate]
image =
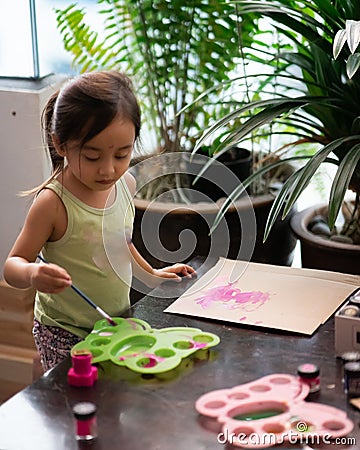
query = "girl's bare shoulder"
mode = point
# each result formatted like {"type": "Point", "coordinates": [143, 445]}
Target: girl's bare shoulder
{"type": "Point", "coordinates": [47, 206]}
{"type": "Point", "coordinates": [49, 209]}
{"type": "Point", "coordinates": [47, 199]}
{"type": "Point", "coordinates": [131, 182]}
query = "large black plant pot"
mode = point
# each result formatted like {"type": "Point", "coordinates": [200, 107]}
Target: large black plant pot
{"type": "Point", "coordinates": [237, 159]}
{"type": "Point", "coordinates": [161, 231]}
{"type": "Point", "coordinates": [166, 232]}
{"type": "Point", "coordinates": [319, 253]}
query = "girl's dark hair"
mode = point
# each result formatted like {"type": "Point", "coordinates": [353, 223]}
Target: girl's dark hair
{"type": "Point", "coordinates": [84, 107]}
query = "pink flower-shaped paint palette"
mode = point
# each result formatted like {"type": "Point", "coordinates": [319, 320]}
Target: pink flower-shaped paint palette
{"type": "Point", "coordinates": [270, 411]}
{"type": "Point", "coordinates": [134, 344]}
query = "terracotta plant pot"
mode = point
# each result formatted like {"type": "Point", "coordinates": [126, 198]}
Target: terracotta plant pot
{"type": "Point", "coordinates": [320, 253]}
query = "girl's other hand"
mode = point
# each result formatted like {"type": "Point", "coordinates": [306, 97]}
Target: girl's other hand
{"type": "Point", "coordinates": [175, 272]}
{"type": "Point", "coordinates": [48, 278]}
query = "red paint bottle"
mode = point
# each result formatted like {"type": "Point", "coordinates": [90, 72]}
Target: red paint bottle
{"type": "Point", "coordinates": [85, 421]}
{"type": "Point", "coordinates": [310, 374]}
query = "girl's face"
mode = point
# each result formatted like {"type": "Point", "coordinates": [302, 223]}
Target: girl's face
{"type": "Point", "coordinates": [100, 162]}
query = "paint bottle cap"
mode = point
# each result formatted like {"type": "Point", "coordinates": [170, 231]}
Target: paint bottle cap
{"type": "Point", "coordinates": [81, 361]}
{"type": "Point", "coordinates": [351, 311]}
{"type": "Point", "coordinates": [350, 357]}
{"type": "Point", "coordinates": [84, 410]}
{"type": "Point", "coordinates": [308, 371]}
{"type": "Point", "coordinates": [82, 373]}
{"type": "Point", "coordinates": [352, 369]}
{"type": "Point", "coordinates": [355, 298]}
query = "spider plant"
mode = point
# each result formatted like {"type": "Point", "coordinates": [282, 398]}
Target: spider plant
{"type": "Point", "coordinates": [315, 103]}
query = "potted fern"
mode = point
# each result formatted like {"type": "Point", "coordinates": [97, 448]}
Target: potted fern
{"type": "Point", "coordinates": [173, 51]}
{"type": "Point", "coordinates": [309, 97]}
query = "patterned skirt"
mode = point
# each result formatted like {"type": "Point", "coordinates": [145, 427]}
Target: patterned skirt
{"type": "Point", "coordinates": [53, 344]}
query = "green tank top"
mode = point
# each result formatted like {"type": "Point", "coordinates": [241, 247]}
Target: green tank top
{"type": "Point", "coordinates": [94, 251]}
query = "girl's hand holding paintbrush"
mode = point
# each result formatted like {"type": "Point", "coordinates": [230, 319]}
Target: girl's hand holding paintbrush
{"type": "Point", "coordinates": [86, 298]}
{"type": "Point", "coordinates": [49, 278]}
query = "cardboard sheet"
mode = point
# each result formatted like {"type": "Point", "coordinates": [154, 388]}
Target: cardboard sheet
{"type": "Point", "coordinates": [262, 295]}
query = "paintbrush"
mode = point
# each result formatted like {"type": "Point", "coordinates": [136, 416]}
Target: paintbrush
{"type": "Point", "coordinates": [87, 299]}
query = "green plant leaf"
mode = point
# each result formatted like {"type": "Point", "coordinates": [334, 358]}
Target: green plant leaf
{"type": "Point", "coordinates": [279, 203]}
{"type": "Point", "coordinates": [241, 188]}
{"type": "Point", "coordinates": [339, 41]}
{"type": "Point", "coordinates": [352, 28]}
{"type": "Point", "coordinates": [352, 65]}
{"type": "Point", "coordinates": [341, 182]}
{"type": "Point", "coordinates": [273, 109]}
{"type": "Point", "coordinates": [311, 167]}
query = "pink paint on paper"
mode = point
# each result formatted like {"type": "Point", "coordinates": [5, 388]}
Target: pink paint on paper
{"type": "Point", "coordinates": [233, 298]}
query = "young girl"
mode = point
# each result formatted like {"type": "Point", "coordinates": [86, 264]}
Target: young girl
{"type": "Point", "coordinates": [81, 219]}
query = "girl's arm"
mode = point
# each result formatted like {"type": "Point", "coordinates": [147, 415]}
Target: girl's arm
{"type": "Point", "coordinates": [20, 269]}
{"type": "Point", "coordinates": [143, 271]}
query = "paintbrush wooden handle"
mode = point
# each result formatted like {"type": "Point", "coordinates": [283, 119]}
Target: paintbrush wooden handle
{"type": "Point", "coordinates": [84, 296]}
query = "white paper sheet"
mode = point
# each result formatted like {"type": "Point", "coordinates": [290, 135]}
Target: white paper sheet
{"type": "Point", "coordinates": [262, 295]}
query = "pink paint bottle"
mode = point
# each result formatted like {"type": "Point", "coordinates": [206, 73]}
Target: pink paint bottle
{"type": "Point", "coordinates": [85, 421]}
{"type": "Point", "coordinates": [310, 374]}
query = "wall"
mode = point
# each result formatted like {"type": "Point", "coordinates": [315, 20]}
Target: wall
{"type": "Point", "coordinates": [23, 165]}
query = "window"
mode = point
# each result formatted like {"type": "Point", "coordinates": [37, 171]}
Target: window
{"type": "Point", "coordinates": [30, 44]}
{"type": "Point", "coordinates": [15, 39]}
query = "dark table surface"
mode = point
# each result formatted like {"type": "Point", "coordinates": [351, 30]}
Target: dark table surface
{"type": "Point", "coordinates": [136, 412]}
